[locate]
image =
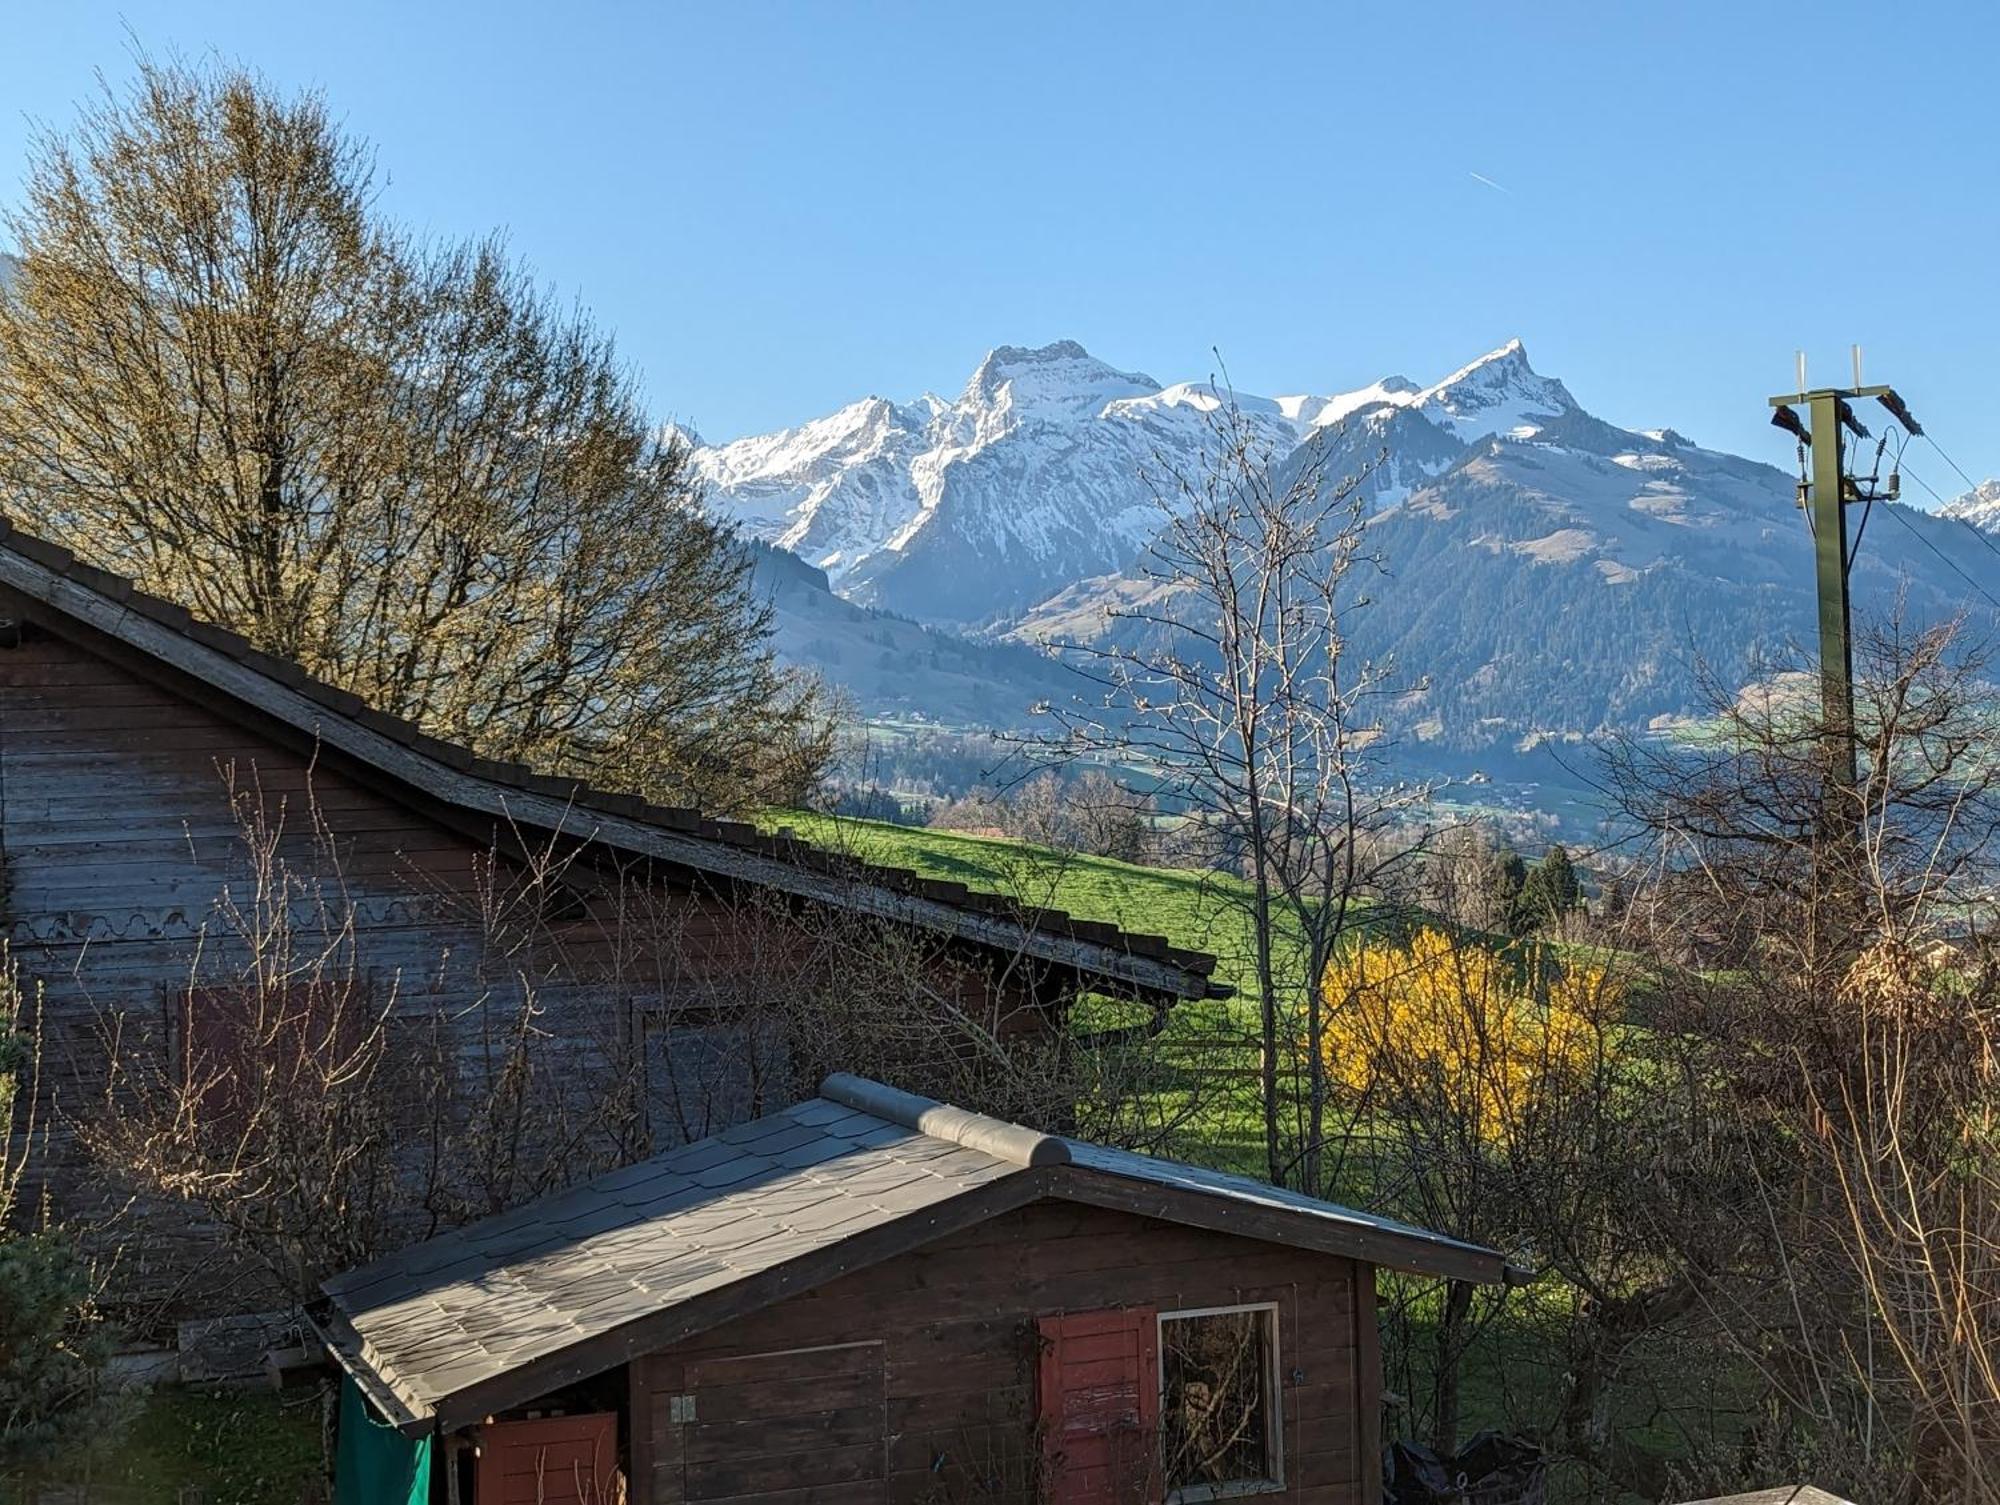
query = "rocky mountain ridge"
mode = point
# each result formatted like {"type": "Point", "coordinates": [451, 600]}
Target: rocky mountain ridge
{"type": "Point", "coordinates": [1548, 576]}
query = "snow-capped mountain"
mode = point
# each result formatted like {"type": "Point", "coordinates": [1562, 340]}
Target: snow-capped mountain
{"type": "Point", "coordinates": [1558, 577]}
{"type": "Point", "coordinates": [970, 511]}
{"type": "Point", "coordinates": [1979, 506]}
{"type": "Point", "coordinates": [832, 490]}
{"type": "Point", "coordinates": [1550, 575]}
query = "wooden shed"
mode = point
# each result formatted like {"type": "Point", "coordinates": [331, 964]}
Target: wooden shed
{"type": "Point", "coordinates": [871, 1296]}
{"type": "Point", "coordinates": [136, 743]}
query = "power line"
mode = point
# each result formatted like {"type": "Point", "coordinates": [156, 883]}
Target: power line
{"type": "Point", "coordinates": [1824, 498]}
{"type": "Point", "coordinates": [1946, 559]}
{"type": "Point", "coordinates": [1970, 484]}
{"type": "Point", "coordinates": [1969, 526]}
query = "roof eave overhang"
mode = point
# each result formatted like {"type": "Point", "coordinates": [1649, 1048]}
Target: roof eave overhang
{"type": "Point", "coordinates": [344, 1344]}
{"type": "Point", "coordinates": [1412, 1252]}
{"type": "Point", "coordinates": [405, 763]}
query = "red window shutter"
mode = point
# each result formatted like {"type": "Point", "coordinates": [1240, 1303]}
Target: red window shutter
{"type": "Point", "coordinates": [1099, 1406]}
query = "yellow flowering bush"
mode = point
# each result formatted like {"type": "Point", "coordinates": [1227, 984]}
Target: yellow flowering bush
{"type": "Point", "coordinates": [1461, 1027]}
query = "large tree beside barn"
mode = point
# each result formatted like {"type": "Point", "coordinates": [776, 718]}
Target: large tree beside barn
{"type": "Point", "coordinates": [226, 372]}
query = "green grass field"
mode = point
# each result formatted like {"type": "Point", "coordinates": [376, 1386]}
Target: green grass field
{"type": "Point", "coordinates": [223, 1447]}
{"type": "Point", "coordinates": [1200, 910]}
{"type": "Point", "coordinates": [1202, 1103]}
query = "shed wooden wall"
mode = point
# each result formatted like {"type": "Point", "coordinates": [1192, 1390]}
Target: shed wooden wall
{"type": "Point", "coordinates": [915, 1379]}
{"type": "Point", "coordinates": [117, 839]}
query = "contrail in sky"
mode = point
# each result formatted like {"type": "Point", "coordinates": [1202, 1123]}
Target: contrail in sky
{"type": "Point", "coordinates": [1481, 177]}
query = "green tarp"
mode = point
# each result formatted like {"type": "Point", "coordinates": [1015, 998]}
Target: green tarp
{"type": "Point", "coordinates": [375, 1464]}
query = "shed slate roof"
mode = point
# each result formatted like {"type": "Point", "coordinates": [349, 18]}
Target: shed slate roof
{"type": "Point", "coordinates": [327, 717]}
{"type": "Point", "coordinates": [505, 1310]}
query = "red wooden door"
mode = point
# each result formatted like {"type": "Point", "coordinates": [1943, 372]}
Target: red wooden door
{"type": "Point", "coordinates": [1099, 1406]}
{"type": "Point", "coordinates": [556, 1460]}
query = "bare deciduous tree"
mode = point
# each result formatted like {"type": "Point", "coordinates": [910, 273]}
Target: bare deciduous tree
{"type": "Point", "coordinates": [1092, 814]}
{"type": "Point", "coordinates": [1843, 1025]}
{"type": "Point", "coordinates": [1231, 675]}
{"type": "Point", "coordinates": [222, 372]}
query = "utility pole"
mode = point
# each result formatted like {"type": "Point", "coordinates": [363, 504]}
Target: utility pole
{"type": "Point", "coordinates": [1825, 497]}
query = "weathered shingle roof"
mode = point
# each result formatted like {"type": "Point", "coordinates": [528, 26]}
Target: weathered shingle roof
{"type": "Point", "coordinates": [328, 717]}
{"type": "Point", "coordinates": [505, 1310]}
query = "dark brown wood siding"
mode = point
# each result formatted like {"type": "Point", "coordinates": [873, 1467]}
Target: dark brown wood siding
{"type": "Point", "coordinates": [123, 799]}
{"type": "Point", "coordinates": [956, 1328]}
{"type": "Point", "coordinates": [117, 839]}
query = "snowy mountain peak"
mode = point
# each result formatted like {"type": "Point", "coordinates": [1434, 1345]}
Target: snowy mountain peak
{"type": "Point", "coordinates": [1498, 394]}
{"type": "Point", "coordinates": [1035, 355]}
{"type": "Point", "coordinates": [1035, 474]}
{"type": "Point", "coordinates": [1979, 507]}
{"type": "Point", "coordinates": [1318, 412]}
{"type": "Point", "coordinates": [1201, 397]}
{"type": "Point", "coordinates": [1062, 380]}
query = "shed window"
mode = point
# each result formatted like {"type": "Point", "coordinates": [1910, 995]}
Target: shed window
{"type": "Point", "coordinates": [1219, 1422]}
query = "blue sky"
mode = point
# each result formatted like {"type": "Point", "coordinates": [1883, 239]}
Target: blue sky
{"type": "Point", "coordinates": [781, 207]}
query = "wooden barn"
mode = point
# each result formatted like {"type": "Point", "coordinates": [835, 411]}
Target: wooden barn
{"type": "Point", "coordinates": [871, 1296]}
{"type": "Point", "coordinates": [137, 744]}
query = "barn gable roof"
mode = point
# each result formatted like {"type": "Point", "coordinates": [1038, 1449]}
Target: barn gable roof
{"type": "Point", "coordinates": [71, 596]}
{"type": "Point", "coordinates": [503, 1311]}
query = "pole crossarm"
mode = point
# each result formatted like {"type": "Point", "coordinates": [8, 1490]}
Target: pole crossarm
{"type": "Point", "coordinates": [1798, 397]}
{"type": "Point", "coordinates": [1826, 491]}
{"type": "Point", "coordinates": [1825, 496]}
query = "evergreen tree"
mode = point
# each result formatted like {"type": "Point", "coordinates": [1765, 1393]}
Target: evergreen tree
{"type": "Point", "coordinates": [1505, 881]}
{"type": "Point", "coordinates": [1549, 892]}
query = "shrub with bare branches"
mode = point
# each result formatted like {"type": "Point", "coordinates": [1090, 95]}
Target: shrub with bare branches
{"type": "Point", "coordinates": [1843, 1029]}
{"type": "Point", "coordinates": [319, 1105]}
{"type": "Point", "coordinates": [54, 1343]}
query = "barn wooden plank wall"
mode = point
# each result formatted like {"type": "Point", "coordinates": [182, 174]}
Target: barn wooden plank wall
{"type": "Point", "coordinates": [117, 841]}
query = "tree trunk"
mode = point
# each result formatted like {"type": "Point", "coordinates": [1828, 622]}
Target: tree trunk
{"type": "Point", "coordinates": [1267, 1005]}
{"type": "Point", "coordinates": [1446, 1388]}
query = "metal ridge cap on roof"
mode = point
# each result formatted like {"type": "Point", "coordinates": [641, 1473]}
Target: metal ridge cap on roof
{"type": "Point", "coordinates": [974, 1131]}
{"type": "Point", "coordinates": [1195, 967]}
{"type": "Point", "coordinates": [1028, 1147]}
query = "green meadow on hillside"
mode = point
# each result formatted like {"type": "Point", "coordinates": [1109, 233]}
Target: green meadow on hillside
{"type": "Point", "coordinates": [1201, 910]}
{"type": "Point", "coordinates": [1202, 1103]}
